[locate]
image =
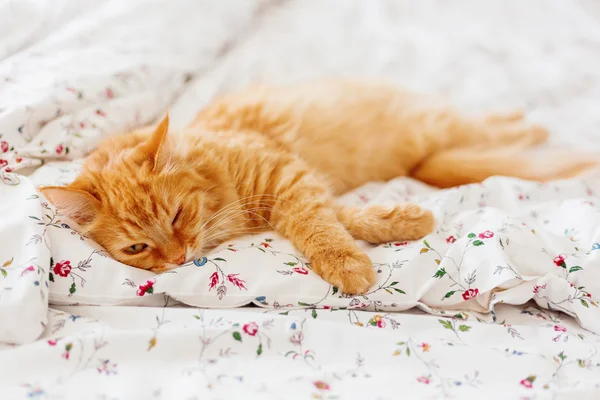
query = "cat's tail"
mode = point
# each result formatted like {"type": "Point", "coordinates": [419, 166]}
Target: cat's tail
{"type": "Point", "coordinates": [455, 167]}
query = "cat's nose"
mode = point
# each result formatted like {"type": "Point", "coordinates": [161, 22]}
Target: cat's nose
{"type": "Point", "coordinates": [179, 260]}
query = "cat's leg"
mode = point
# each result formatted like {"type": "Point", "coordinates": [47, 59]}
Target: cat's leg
{"type": "Point", "coordinates": [455, 167]}
{"type": "Point", "coordinates": [379, 224]}
{"type": "Point", "coordinates": [304, 213]}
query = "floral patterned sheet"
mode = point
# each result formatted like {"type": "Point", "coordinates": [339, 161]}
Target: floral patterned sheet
{"type": "Point", "coordinates": [508, 281]}
{"type": "Point", "coordinates": [71, 73]}
{"type": "Point", "coordinates": [186, 353]}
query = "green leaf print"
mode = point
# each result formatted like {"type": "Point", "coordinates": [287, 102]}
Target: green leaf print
{"type": "Point", "coordinates": [562, 355]}
{"type": "Point", "coordinates": [426, 244]}
{"type": "Point", "coordinates": [575, 268]}
{"type": "Point", "coordinates": [464, 328]}
{"type": "Point", "coordinates": [478, 243]}
{"type": "Point", "coordinates": [471, 235]}
{"type": "Point", "coordinates": [219, 259]}
{"type": "Point", "coordinates": [400, 291]}
{"type": "Point", "coordinates": [4, 273]}
{"type": "Point", "coordinates": [73, 288]}
{"type": "Point", "coordinates": [449, 294]}
{"type": "Point", "coordinates": [408, 351]}
{"type": "Point", "coordinates": [314, 313]}
{"type": "Point", "coordinates": [237, 336]}
{"type": "Point", "coordinates": [51, 277]}
{"type": "Point", "coordinates": [584, 303]}
{"type": "Point", "coordinates": [393, 283]}
{"type": "Point", "coordinates": [440, 273]}
{"type": "Point", "coordinates": [259, 350]}
{"type": "Point", "coordinates": [334, 290]}
{"type": "Point", "coordinates": [51, 262]}
{"type": "Point", "coordinates": [446, 324]}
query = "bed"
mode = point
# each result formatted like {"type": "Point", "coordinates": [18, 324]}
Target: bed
{"type": "Point", "coordinates": [499, 302]}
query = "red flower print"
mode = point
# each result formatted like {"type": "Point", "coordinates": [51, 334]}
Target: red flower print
{"type": "Point", "coordinates": [214, 279]}
{"type": "Point", "coordinates": [321, 385]}
{"type": "Point", "coordinates": [559, 328]}
{"type": "Point", "coordinates": [470, 293]}
{"type": "Point", "coordinates": [486, 235]}
{"type": "Point", "coordinates": [537, 288]}
{"type": "Point", "coordinates": [589, 295]}
{"type": "Point", "coordinates": [28, 269]}
{"type": "Point", "coordinates": [147, 287]}
{"type": "Point", "coordinates": [3, 163]}
{"type": "Point", "coordinates": [560, 261]}
{"type": "Point", "coordinates": [423, 379]}
{"type": "Point", "coordinates": [381, 323]}
{"type": "Point", "coordinates": [82, 124]}
{"type": "Point", "coordinates": [425, 346]}
{"type": "Point", "coordinates": [3, 146]}
{"type": "Point", "coordinates": [265, 245]}
{"type": "Point", "coordinates": [59, 149]}
{"type": "Point", "coordinates": [52, 342]}
{"type": "Point", "coordinates": [63, 268]}
{"type": "Point", "coordinates": [251, 328]}
{"type": "Point", "coordinates": [100, 113]}
{"type": "Point", "coordinates": [528, 382]}
{"type": "Point", "coordinates": [300, 271]}
{"type": "Point", "coordinates": [450, 239]}
{"type": "Point", "coordinates": [18, 159]}
{"type": "Point", "coordinates": [233, 279]}
{"type": "Point", "coordinates": [398, 244]}
{"type": "Point", "coordinates": [109, 93]}
{"type": "Point", "coordinates": [65, 355]}
{"type": "Point", "coordinates": [8, 169]}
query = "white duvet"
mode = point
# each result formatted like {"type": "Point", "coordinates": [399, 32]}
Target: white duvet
{"type": "Point", "coordinates": [507, 265]}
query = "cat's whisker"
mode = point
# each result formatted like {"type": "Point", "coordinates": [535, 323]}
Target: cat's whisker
{"type": "Point", "coordinates": [243, 211]}
{"type": "Point", "coordinates": [240, 212]}
{"type": "Point", "coordinates": [221, 222]}
{"type": "Point", "coordinates": [263, 197]}
{"type": "Point", "coordinates": [230, 234]}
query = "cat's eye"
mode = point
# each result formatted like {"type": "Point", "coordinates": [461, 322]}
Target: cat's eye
{"type": "Point", "coordinates": [135, 249]}
{"type": "Point", "coordinates": [176, 216]}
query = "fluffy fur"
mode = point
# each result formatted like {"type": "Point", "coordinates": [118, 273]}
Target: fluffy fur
{"type": "Point", "coordinates": [274, 158]}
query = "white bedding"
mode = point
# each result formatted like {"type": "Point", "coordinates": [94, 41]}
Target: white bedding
{"type": "Point", "coordinates": [114, 65]}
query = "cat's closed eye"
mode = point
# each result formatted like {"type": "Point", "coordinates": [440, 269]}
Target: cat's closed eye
{"type": "Point", "coordinates": [176, 216]}
{"type": "Point", "coordinates": [135, 249]}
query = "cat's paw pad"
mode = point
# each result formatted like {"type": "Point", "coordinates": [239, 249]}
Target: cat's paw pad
{"type": "Point", "coordinates": [351, 271]}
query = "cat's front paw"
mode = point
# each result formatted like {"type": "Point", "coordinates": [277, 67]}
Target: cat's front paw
{"type": "Point", "coordinates": [350, 270]}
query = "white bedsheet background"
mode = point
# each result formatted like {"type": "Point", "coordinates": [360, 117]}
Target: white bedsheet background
{"type": "Point", "coordinates": [72, 72]}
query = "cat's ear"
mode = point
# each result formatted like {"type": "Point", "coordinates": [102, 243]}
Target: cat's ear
{"type": "Point", "coordinates": [77, 204]}
{"type": "Point", "coordinates": [156, 147]}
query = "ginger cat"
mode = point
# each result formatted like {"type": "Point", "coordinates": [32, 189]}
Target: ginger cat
{"type": "Point", "coordinates": [274, 158]}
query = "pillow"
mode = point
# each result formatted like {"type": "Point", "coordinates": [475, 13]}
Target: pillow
{"type": "Point", "coordinates": [504, 240]}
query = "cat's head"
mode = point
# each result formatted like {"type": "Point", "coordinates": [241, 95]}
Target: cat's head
{"type": "Point", "coordinates": [140, 200]}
